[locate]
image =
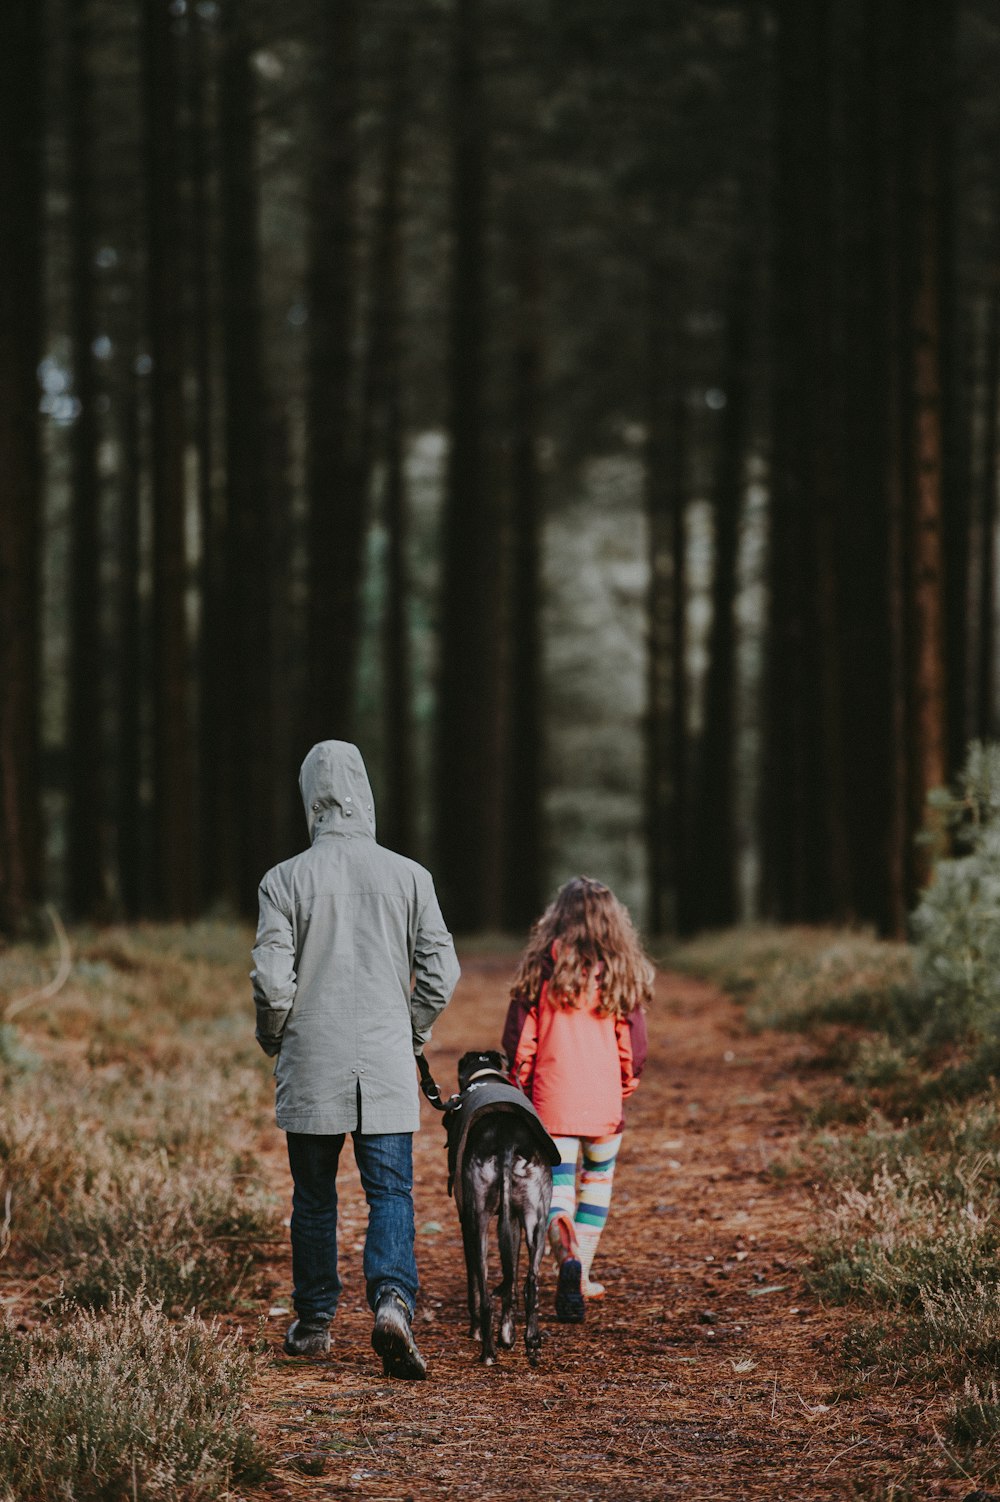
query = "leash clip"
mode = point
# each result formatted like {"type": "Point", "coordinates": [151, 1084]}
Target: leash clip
{"type": "Point", "coordinates": [431, 1090]}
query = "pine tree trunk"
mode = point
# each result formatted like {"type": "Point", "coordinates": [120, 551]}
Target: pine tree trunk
{"type": "Point", "coordinates": [665, 752]}
{"type": "Point", "coordinates": [133, 875]}
{"type": "Point", "coordinates": [337, 499]}
{"type": "Point", "coordinates": [247, 634]}
{"type": "Point", "coordinates": [927, 34]}
{"type": "Point", "coordinates": [216, 854]}
{"type": "Point", "coordinates": [799, 795]}
{"type": "Point", "coordinates": [890, 414]}
{"type": "Point", "coordinates": [384, 404]}
{"type": "Point", "coordinates": [86, 858]}
{"type": "Point", "coordinates": [22, 48]}
{"type": "Point", "coordinates": [466, 757]}
{"type": "Point", "coordinates": [713, 887]}
{"type": "Point", "coordinates": [986, 705]}
{"type": "Point", "coordinates": [173, 769]}
{"type": "Point", "coordinates": [523, 854]}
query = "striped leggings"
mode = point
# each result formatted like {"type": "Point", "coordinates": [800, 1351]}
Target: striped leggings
{"type": "Point", "coordinates": [588, 1207]}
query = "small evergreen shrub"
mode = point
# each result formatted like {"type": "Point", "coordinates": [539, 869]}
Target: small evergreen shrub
{"type": "Point", "coordinates": [956, 927]}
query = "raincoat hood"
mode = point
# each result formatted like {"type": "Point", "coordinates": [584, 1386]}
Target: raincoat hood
{"type": "Point", "coordinates": [336, 793]}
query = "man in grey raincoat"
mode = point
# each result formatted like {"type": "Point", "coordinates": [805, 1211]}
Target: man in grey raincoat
{"type": "Point", "coordinates": [351, 966]}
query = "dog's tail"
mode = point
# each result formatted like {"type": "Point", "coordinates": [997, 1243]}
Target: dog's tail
{"type": "Point", "coordinates": [506, 1230]}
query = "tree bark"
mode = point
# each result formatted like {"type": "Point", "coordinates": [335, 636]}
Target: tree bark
{"type": "Point", "coordinates": [466, 756]}
{"type": "Point", "coordinates": [245, 698]}
{"type": "Point", "coordinates": [132, 685]}
{"type": "Point", "coordinates": [799, 799]}
{"type": "Point", "coordinates": [216, 841]}
{"type": "Point", "coordinates": [713, 885]}
{"type": "Point", "coordinates": [666, 683]}
{"type": "Point", "coordinates": [337, 499]}
{"type": "Point", "coordinates": [384, 428]}
{"type": "Point", "coordinates": [986, 710]}
{"type": "Point", "coordinates": [22, 50]}
{"type": "Point", "coordinates": [524, 727]}
{"type": "Point", "coordinates": [86, 857]}
{"type": "Point", "coordinates": [928, 38]}
{"type": "Point", "coordinates": [173, 761]}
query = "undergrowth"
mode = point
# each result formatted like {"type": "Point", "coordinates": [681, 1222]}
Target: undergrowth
{"type": "Point", "coordinates": [127, 1405]}
{"type": "Point", "coordinates": [126, 1106]}
{"type": "Point", "coordinates": [908, 1142]}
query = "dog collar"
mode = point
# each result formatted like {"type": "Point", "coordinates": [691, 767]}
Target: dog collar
{"type": "Point", "coordinates": [490, 1073]}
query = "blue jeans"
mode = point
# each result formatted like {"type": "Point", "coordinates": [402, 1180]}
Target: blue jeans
{"type": "Point", "coordinates": [385, 1163]}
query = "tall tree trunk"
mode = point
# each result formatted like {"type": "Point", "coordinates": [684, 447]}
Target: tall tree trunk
{"type": "Point", "coordinates": [248, 634]}
{"type": "Point", "coordinates": [986, 706]}
{"type": "Point", "coordinates": [885, 23]}
{"type": "Point", "coordinates": [384, 427]}
{"type": "Point", "coordinates": [133, 877]}
{"type": "Point", "coordinates": [22, 48]}
{"type": "Point", "coordinates": [712, 873]}
{"type": "Point", "coordinates": [666, 696]}
{"type": "Point", "coordinates": [85, 864]}
{"type": "Point", "coordinates": [466, 759]}
{"type": "Point", "coordinates": [337, 497]}
{"type": "Point", "coordinates": [173, 770]}
{"type": "Point", "coordinates": [796, 797]}
{"type": "Point", "coordinates": [523, 853]}
{"type": "Point", "coordinates": [216, 853]}
{"type": "Point", "coordinates": [928, 40]}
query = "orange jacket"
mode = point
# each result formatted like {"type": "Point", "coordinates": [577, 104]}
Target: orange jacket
{"type": "Point", "coordinates": [577, 1066]}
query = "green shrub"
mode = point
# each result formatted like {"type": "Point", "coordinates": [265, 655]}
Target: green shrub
{"type": "Point", "coordinates": [124, 1405]}
{"type": "Point", "coordinates": [956, 927]}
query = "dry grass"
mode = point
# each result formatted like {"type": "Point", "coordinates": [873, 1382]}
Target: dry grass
{"type": "Point", "coordinates": [126, 1405]}
{"type": "Point", "coordinates": [909, 1148]}
{"type": "Point", "coordinates": [128, 1103]}
{"type": "Point", "coordinates": [797, 978]}
{"type": "Point", "coordinates": [128, 1193]}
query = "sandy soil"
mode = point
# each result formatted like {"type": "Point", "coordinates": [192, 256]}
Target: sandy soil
{"type": "Point", "coordinates": [706, 1373]}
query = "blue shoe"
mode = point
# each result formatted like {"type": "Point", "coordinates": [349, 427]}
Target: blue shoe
{"type": "Point", "coordinates": [570, 1306]}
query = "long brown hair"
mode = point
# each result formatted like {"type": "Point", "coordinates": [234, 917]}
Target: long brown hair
{"type": "Point", "coordinates": [585, 926]}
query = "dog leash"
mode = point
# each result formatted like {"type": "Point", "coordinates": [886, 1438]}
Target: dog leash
{"type": "Point", "coordinates": [431, 1090]}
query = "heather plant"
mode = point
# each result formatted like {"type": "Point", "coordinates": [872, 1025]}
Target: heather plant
{"type": "Point", "coordinates": [125, 1119]}
{"type": "Point", "coordinates": [129, 1404]}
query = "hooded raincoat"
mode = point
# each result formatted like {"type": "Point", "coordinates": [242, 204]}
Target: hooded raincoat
{"type": "Point", "coordinates": [352, 963]}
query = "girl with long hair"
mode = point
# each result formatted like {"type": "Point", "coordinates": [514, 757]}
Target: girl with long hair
{"type": "Point", "coordinates": [576, 1033]}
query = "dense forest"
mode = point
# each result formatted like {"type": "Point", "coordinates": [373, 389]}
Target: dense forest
{"type": "Point", "coordinates": [593, 410]}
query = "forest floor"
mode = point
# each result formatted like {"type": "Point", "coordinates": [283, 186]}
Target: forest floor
{"type": "Point", "coordinates": [709, 1372]}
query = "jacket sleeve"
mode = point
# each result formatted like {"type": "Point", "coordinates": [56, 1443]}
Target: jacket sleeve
{"type": "Point", "coordinates": [626, 1055]}
{"type": "Point", "coordinates": [435, 971]}
{"type": "Point", "coordinates": [639, 1038]}
{"type": "Point", "coordinates": [523, 1069]}
{"type": "Point", "coordinates": [517, 1012]}
{"type": "Point", "coordinates": [273, 975]}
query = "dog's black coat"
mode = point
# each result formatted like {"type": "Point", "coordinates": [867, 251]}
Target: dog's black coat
{"type": "Point", "coordinates": [500, 1160]}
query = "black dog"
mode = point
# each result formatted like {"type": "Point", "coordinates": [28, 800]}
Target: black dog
{"type": "Point", "coordinates": [500, 1160]}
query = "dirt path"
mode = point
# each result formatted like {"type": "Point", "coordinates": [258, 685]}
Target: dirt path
{"type": "Point", "coordinates": [703, 1375]}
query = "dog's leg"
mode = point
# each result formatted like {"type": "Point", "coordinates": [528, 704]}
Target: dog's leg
{"type": "Point", "coordinates": [509, 1238]}
{"type": "Point", "coordinates": [489, 1353]}
{"type": "Point", "coordinates": [535, 1235]}
{"type": "Point", "coordinates": [536, 1214]}
{"type": "Point", "coordinates": [470, 1244]}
